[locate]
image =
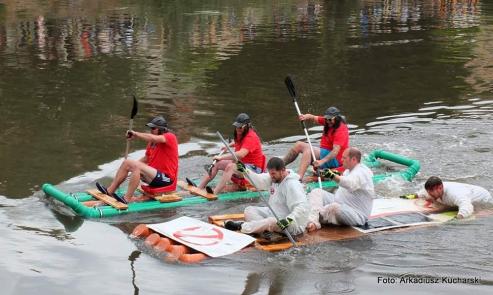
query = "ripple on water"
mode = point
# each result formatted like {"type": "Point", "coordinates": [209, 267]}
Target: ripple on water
{"type": "Point", "coordinates": [329, 286]}
{"type": "Point", "coordinates": [323, 258]}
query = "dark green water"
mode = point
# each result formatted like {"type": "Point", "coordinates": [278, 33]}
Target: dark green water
{"type": "Point", "coordinates": [412, 77]}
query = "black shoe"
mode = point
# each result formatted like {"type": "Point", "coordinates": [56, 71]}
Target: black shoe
{"type": "Point", "coordinates": [190, 182]}
{"type": "Point", "coordinates": [209, 190]}
{"type": "Point", "coordinates": [103, 190]}
{"type": "Point", "coordinates": [233, 225]}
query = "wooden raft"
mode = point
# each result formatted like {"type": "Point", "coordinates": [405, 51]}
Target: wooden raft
{"type": "Point", "coordinates": [326, 233]}
{"type": "Point", "coordinates": [196, 191]}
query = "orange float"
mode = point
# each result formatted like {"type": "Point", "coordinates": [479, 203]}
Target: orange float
{"type": "Point", "coordinates": [193, 258]}
{"type": "Point", "coordinates": [178, 250]}
{"type": "Point", "coordinates": [141, 231]}
{"type": "Point", "coordinates": [163, 245]}
{"type": "Point", "coordinates": [152, 240]}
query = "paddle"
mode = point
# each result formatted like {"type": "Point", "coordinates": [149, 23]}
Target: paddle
{"type": "Point", "coordinates": [286, 232]}
{"type": "Point", "coordinates": [131, 122]}
{"type": "Point", "coordinates": [292, 92]}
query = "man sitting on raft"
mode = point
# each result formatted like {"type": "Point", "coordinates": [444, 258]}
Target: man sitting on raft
{"type": "Point", "coordinates": [335, 140]}
{"type": "Point", "coordinates": [248, 148]}
{"type": "Point", "coordinates": [353, 200]}
{"type": "Point", "coordinates": [159, 166]}
{"type": "Point", "coordinates": [287, 199]}
{"type": "Point", "coordinates": [454, 194]}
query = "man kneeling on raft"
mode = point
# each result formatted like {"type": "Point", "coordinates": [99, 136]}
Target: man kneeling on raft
{"type": "Point", "coordinates": [353, 200]}
{"type": "Point", "coordinates": [287, 199]}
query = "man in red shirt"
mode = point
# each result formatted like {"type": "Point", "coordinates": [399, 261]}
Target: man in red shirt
{"type": "Point", "coordinates": [248, 149]}
{"type": "Point", "coordinates": [159, 166]}
{"type": "Point", "coordinates": [335, 140]}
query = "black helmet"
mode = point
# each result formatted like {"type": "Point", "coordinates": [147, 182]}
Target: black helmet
{"type": "Point", "coordinates": [158, 122]}
{"type": "Point", "coordinates": [241, 120]}
{"type": "Point", "coordinates": [331, 113]}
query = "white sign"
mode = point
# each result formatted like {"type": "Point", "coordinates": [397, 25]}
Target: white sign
{"type": "Point", "coordinates": [204, 237]}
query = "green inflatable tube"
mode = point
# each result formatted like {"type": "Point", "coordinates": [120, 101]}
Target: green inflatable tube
{"type": "Point", "coordinates": [408, 174]}
{"type": "Point", "coordinates": [74, 201]}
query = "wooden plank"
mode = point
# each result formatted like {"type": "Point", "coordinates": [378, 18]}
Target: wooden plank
{"type": "Point", "coordinates": [275, 247]}
{"type": "Point", "coordinates": [168, 198]}
{"type": "Point", "coordinates": [107, 199]}
{"type": "Point", "coordinates": [196, 191]}
{"type": "Point", "coordinates": [219, 219]}
{"type": "Point", "coordinates": [164, 197]}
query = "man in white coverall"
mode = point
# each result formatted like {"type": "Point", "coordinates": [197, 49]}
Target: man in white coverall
{"type": "Point", "coordinates": [287, 199]}
{"type": "Point", "coordinates": [455, 194]}
{"type": "Point", "coordinates": [353, 200]}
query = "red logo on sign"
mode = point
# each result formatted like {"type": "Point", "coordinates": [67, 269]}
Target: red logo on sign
{"type": "Point", "coordinates": [200, 236]}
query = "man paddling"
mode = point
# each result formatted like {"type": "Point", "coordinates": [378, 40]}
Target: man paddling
{"type": "Point", "coordinates": [287, 199]}
{"type": "Point", "coordinates": [158, 167]}
{"type": "Point", "coordinates": [454, 194]}
{"type": "Point", "coordinates": [335, 140]}
{"type": "Point", "coordinates": [353, 200]}
{"type": "Point", "coordinates": [248, 148]}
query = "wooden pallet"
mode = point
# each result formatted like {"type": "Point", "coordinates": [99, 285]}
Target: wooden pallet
{"type": "Point", "coordinates": [219, 219]}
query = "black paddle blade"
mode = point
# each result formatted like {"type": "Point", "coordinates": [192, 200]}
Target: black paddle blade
{"type": "Point", "coordinates": [290, 85]}
{"type": "Point", "coordinates": [208, 168]}
{"type": "Point", "coordinates": [134, 108]}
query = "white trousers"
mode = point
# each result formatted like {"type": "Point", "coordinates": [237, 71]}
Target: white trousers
{"type": "Point", "coordinates": [260, 219]}
{"type": "Point", "coordinates": [325, 210]}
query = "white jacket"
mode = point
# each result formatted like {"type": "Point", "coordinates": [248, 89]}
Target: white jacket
{"type": "Point", "coordinates": [461, 195]}
{"type": "Point", "coordinates": [356, 189]}
{"type": "Point", "coordinates": [287, 199]}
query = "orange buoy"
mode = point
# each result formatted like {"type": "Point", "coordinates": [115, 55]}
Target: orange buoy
{"type": "Point", "coordinates": [175, 252]}
{"type": "Point", "coordinates": [141, 231]}
{"type": "Point", "coordinates": [192, 258]}
{"type": "Point", "coordinates": [163, 245]}
{"type": "Point", "coordinates": [152, 240]}
{"type": "Point", "coordinates": [178, 250]}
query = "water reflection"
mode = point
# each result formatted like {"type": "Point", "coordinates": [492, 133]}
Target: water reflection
{"type": "Point", "coordinates": [73, 36]}
{"type": "Point", "coordinates": [71, 66]}
{"type": "Point", "coordinates": [132, 258]}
